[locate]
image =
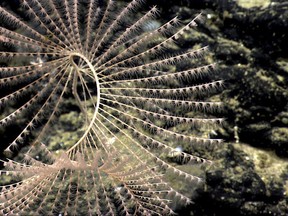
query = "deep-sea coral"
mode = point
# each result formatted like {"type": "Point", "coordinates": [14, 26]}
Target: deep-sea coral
{"type": "Point", "coordinates": [115, 67]}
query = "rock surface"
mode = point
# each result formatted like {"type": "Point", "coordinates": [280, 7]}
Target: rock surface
{"type": "Point", "coordinates": [249, 42]}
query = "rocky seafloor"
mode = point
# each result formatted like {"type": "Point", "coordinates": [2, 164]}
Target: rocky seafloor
{"type": "Point", "coordinates": [249, 41]}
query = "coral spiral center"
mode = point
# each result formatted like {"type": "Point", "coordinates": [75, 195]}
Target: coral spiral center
{"type": "Point", "coordinates": [75, 60]}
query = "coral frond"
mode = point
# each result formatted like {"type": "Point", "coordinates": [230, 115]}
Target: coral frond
{"type": "Point", "coordinates": [112, 67]}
